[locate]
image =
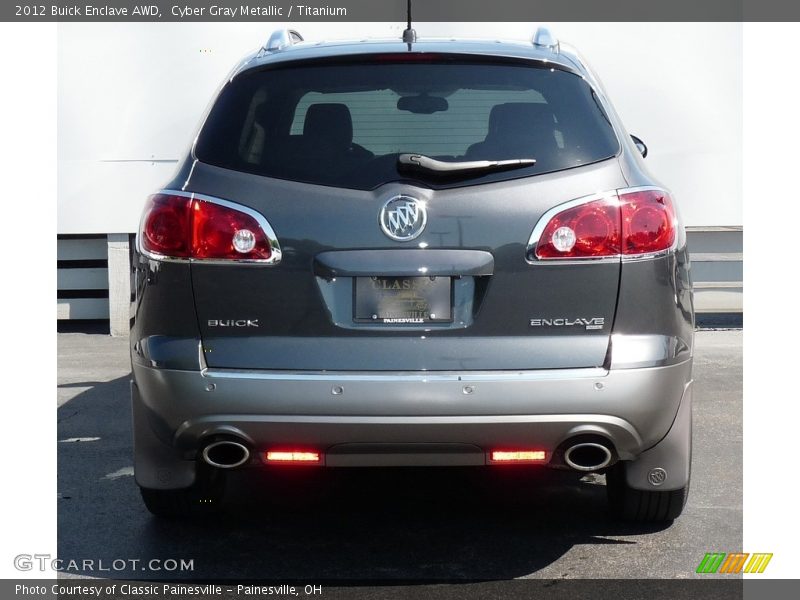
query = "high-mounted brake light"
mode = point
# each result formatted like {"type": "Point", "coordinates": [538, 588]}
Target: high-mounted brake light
{"type": "Point", "coordinates": [508, 456]}
{"type": "Point", "coordinates": [179, 225]}
{"type": "Point", "coordinates": [631, 223]}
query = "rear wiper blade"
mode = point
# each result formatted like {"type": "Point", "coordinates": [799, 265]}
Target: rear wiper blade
{"type": "Point", "coordinates": [420, 162]}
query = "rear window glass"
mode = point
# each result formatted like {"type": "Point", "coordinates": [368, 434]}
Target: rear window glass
{"type": "Point", "coordinates": [346, 124]}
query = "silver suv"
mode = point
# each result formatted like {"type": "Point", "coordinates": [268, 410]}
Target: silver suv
{"type": "Point", "coordinates": [396, 253]}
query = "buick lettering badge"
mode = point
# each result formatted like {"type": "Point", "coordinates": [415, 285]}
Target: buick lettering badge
{"type": "Point", "coordinates": [403, 218]}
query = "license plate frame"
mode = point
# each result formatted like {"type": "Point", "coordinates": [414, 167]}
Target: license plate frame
{"type": "Point", "coordinates": [403, 300]}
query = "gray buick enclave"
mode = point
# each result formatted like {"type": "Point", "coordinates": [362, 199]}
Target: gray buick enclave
{"type": "Point", "coordinates": [413, 253]}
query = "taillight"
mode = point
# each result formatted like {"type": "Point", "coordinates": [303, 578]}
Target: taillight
{"type": "Point", "coordinates": [631, 223]}
{"type": "Point", "coordinates": [166, 226]}
{"type": "Point", "coordinates": [583, 231]}
{"type": "Point", "coordinates": [190, 226]}
{"type": "Point", "coordinates": [648, 222]}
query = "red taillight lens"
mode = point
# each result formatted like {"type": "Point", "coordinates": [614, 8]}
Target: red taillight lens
{"type": "Point", "coordinates": [222, 232]}
{"type": "Point", "coordinates": [583, 231]}
{"type": "Point", "coordinates": [177, 226]}
{"type": "Point", "coordinates": [167, 225]}
{"type": "Point", "coordinates": [633, 223]}
{"type": "Point", "coordinates": [648, 222]}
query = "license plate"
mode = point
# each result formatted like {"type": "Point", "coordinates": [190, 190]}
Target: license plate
{"type": "Point", "coordinates": [403, 300]}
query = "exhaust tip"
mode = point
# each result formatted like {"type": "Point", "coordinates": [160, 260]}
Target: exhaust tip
{"type": "Point", "coordinates": [588, 456]}
{"type": "Point", "coordinates": [226, 454]}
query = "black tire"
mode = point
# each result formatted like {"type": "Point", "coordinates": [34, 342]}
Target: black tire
{"type": "Point", "coordinates": [641, 506]}
{"type": "Point", "coordinates": [204, 498]}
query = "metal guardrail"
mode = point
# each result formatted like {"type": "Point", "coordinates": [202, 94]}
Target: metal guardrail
{"type": "Point", "coordinates": [717, 268]}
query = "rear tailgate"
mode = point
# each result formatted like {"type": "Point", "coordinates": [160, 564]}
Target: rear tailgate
{"type": "Point", "coordinates": [507, 314]}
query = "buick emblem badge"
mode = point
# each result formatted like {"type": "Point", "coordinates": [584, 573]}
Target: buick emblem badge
{"type": "Point", "coordinates": [403, 218]}
{"type": "Point", "coordinates": [657, 476]}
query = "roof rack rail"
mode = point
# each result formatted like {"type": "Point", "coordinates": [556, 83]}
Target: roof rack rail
{"type": "Point", "coordinates": [544, 38]}
{"type": "Point", "coordinates": [281, 38]}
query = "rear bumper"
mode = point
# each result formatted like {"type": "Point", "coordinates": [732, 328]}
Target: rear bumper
{"type": "Point", "coordinates": [363, 419]}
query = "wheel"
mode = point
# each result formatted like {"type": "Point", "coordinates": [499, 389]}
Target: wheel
{"type": "Point", "coordinates": [204, 498]}
{"type": "Point", "coordinates": [642, 506]}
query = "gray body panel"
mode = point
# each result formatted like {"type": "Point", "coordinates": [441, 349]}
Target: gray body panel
{"type": "Point", "coordinates": [290, 301]}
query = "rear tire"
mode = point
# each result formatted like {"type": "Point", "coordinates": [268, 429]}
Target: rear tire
{"type": "Point", "coordinates": [642, 506]}
{"type": "Point", "coordinates": [203, 498]}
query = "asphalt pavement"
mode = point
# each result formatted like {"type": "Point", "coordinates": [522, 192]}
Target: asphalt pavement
{"type": "Point", "coordinates": [387, 525]}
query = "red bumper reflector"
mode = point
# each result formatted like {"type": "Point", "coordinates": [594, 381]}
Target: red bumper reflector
{"type": "Point", "coordinates": [292, 456]}
{"type": "Point", "coordinates": [517, 455]}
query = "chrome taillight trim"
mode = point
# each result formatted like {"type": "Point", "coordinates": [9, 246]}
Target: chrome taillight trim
{"type": "Point", "coordinates": [541, 224]}
{"type": "Point", "coordinates": [266, 228]}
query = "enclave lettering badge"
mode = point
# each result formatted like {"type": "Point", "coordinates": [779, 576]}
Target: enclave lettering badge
{"type": "Point", "coordinates": [592, 323]}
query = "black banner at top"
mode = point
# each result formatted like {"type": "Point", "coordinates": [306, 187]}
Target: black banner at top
{"type": "Point", "coordinates": [395, 10]}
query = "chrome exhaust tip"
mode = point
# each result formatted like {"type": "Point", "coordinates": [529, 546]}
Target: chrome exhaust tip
{"type": "Point", "coordinates": [226, 454]}
{"type": "Point", "coordinates": [588, 456]}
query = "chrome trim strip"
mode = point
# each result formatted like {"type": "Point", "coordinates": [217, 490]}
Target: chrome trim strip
{"type": "Point", "coordinates": [541, 224]}
{"type": "Point", "coordinates": [189, 176]}
{"type": "Point", "coordinates": [266, 228]}
{"type": "Point", "coordinates": [407, 377]}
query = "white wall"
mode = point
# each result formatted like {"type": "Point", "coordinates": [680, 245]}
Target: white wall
{"type": "Point", "coordinates": [130, 97]}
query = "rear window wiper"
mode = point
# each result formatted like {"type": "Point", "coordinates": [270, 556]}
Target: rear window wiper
{"type": "Point", "coordinates": [420, 162]}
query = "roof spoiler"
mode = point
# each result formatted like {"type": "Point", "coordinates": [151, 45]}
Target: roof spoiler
{"type": "Point", "coordinates": [282, 38]}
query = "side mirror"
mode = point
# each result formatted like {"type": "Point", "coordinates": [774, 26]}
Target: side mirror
{"type": "Point", "coordinates": [640, 146]}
